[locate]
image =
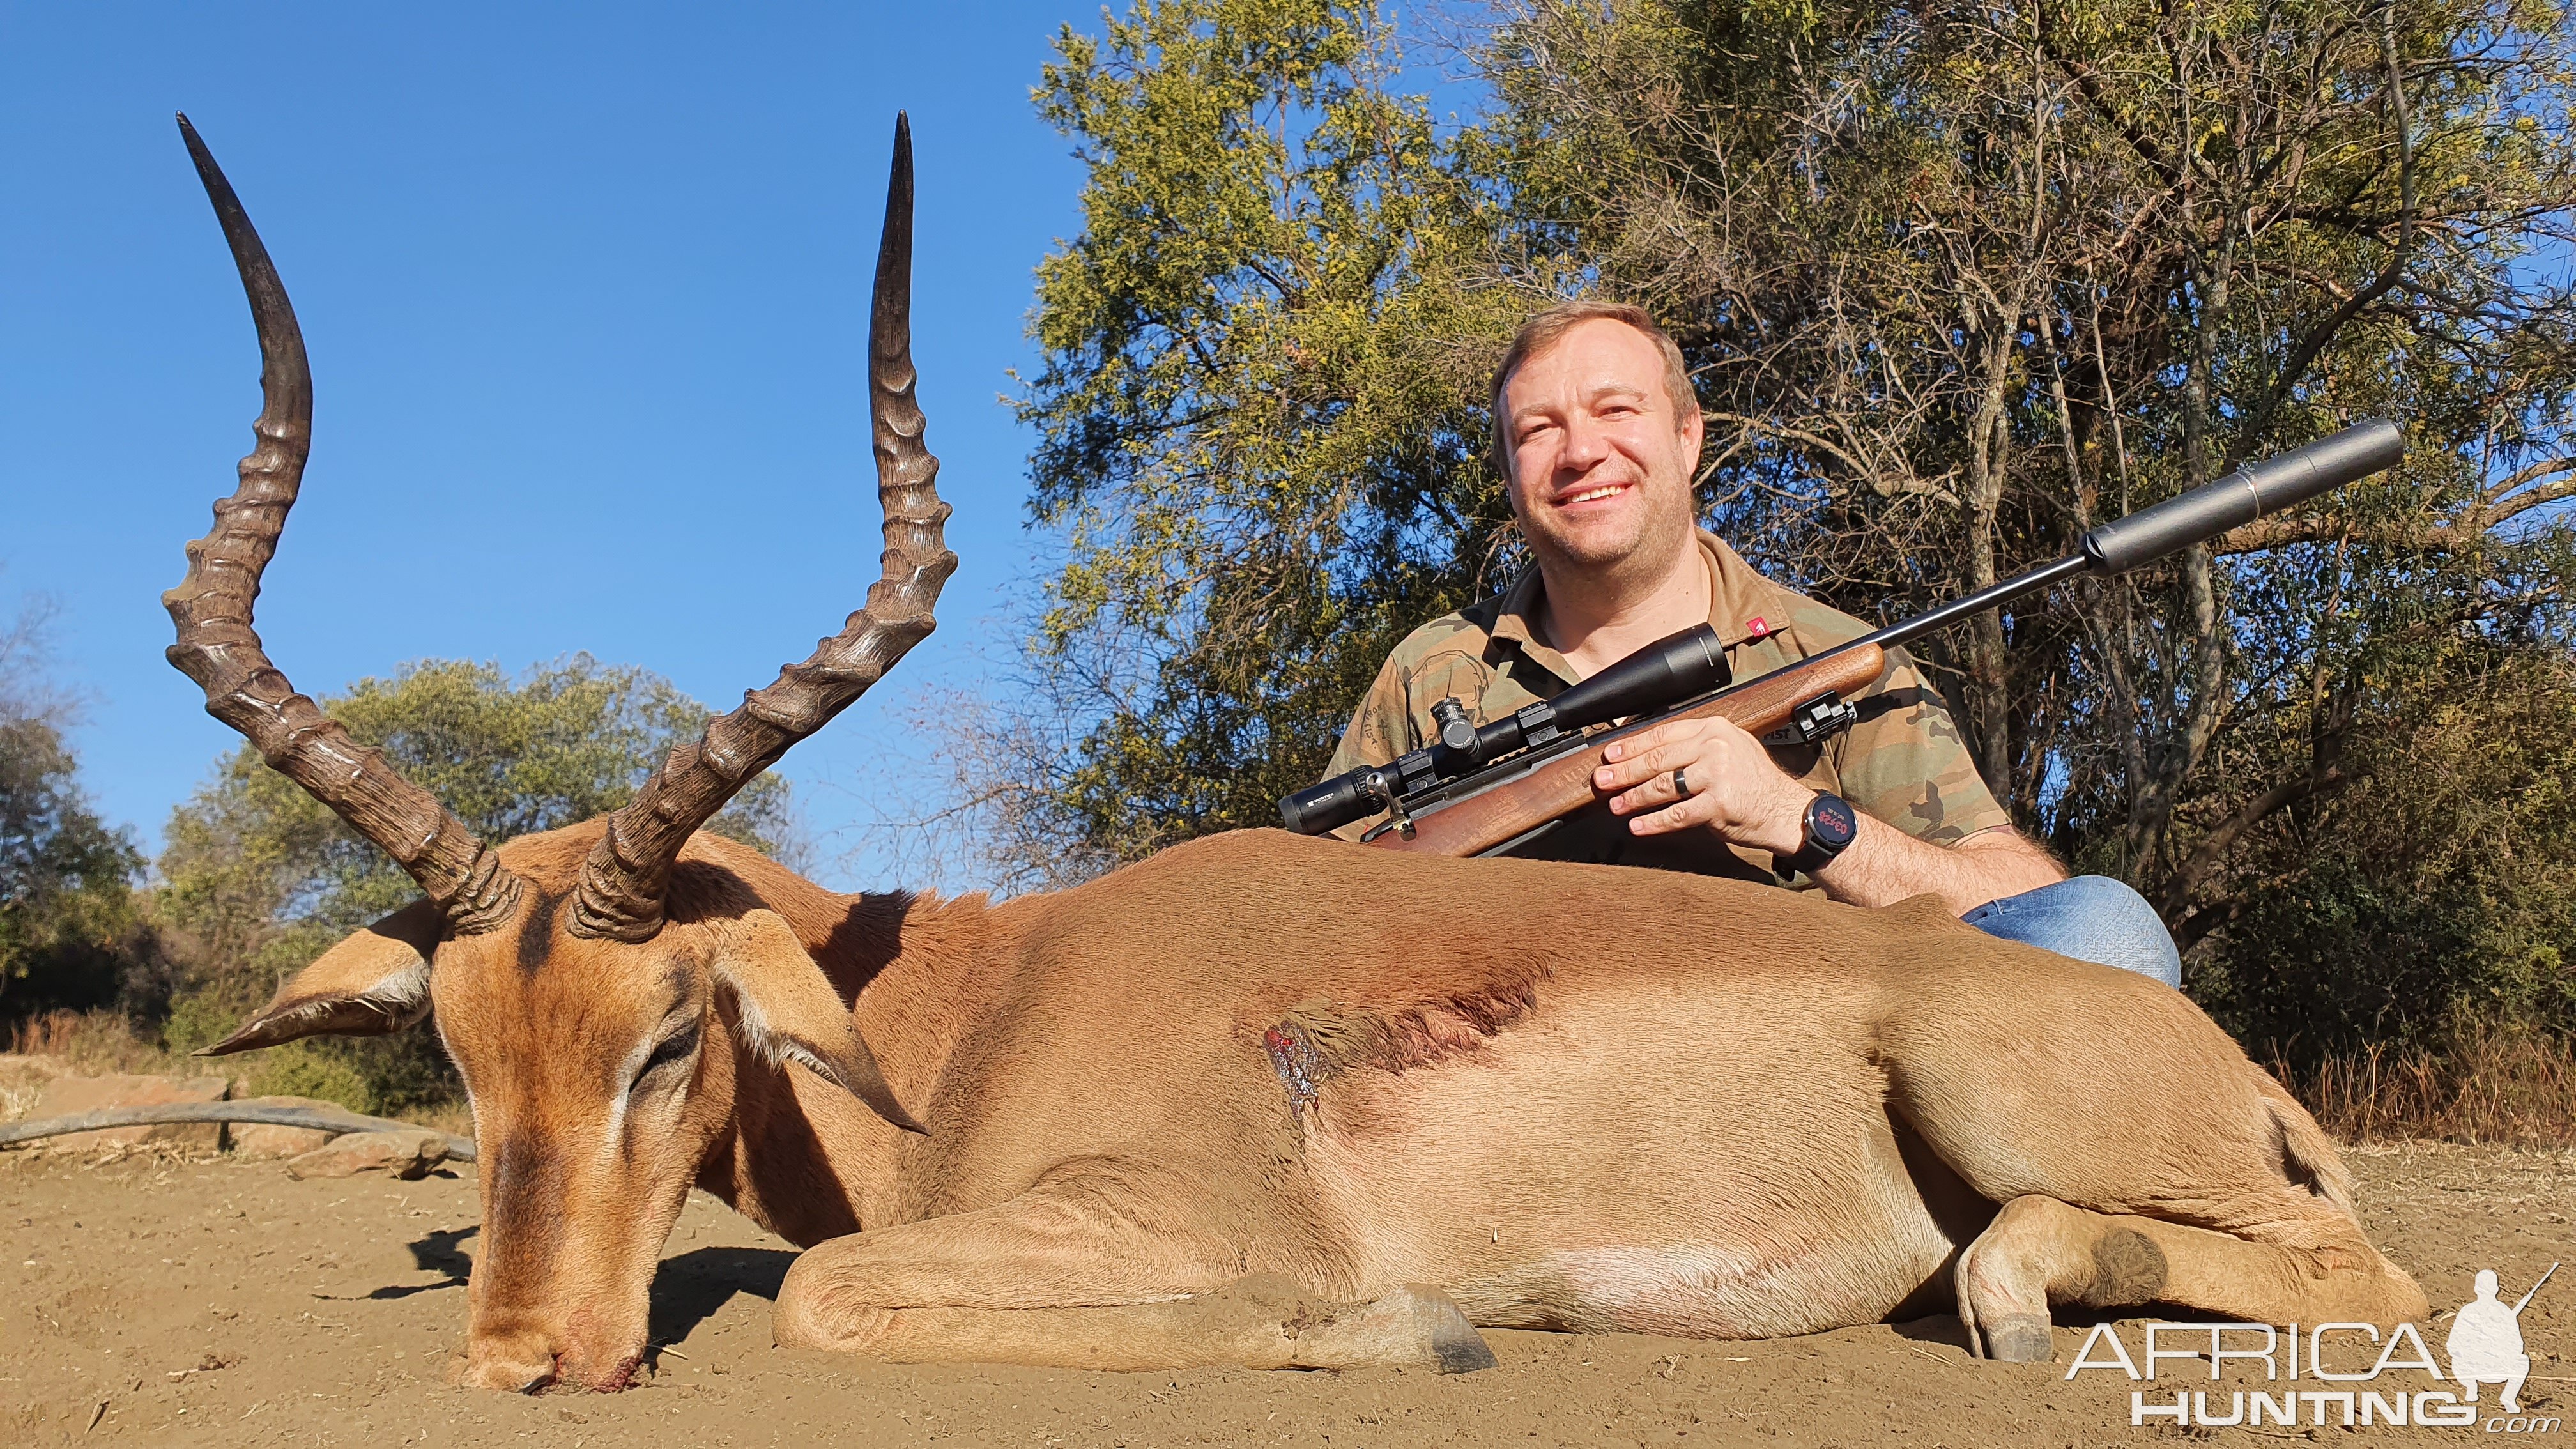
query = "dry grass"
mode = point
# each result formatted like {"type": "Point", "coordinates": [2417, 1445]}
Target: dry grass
{"type": "Point", "coordinates": [2492, 1085]}
{"type": "Point", "coordinates": [71, 1043]}
{"type": "Point", "coordinates": [95, 1043]}
{"type": "Point", "coordinates": [98, 1043]}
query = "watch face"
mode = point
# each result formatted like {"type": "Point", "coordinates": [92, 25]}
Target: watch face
{"type": "Point", "coordinates": [1832, 822]}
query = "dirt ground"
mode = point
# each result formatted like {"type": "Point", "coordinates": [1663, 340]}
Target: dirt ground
{"type": "Point", "coordinates": [163, 1301]}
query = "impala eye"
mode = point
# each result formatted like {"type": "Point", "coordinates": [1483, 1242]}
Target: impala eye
{"type": "Point", "coordinates": [673, 1049]}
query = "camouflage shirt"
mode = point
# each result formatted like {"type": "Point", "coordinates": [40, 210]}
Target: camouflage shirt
{"type": "Point", "coordinates": [1904, 762]}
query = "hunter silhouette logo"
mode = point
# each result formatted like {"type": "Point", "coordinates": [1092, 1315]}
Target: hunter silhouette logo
{"type": "Point", "coordinates": [2486, 1342]}
{"type": "Point", "coordinates": [2485, 1346]}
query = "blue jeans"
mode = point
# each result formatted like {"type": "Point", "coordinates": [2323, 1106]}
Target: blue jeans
{"type": "Point", "coordinates": [2091, 918]}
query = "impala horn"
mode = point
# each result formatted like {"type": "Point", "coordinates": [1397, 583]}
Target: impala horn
{"type": "Point", "coordinates": [624, 880]}
{"type": "Point", "coordinates": [220, 650]}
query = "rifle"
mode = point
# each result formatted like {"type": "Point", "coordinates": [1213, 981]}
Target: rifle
{"type": "Point", "coordinates": [2525, 1300]}
{"type": "Point", "coordinates": [1486, 790]}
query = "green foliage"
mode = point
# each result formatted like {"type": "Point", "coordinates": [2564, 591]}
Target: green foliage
{"type": "Point", "coordinates": [258, 878]}
{"type": "Point", "coordinates": [67, 916]}
{"type": "Point", "coordinates": [313, 1069]}
{"type": "Point", "coordinates": [1959, 282]}
{"type": "Point", "coordinates": [1259, 422]}
{"type": "Point", "coordinates": [2429, 888]}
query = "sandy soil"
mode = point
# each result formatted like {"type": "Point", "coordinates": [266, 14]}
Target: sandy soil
{"type": "Point", "coordinates": [160, 1301]}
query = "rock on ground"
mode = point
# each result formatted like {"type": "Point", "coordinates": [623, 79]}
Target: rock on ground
{"type": "Point", "coordinates": [22, 1080]}
{"type": "Point", "coordinates": [65, 1095]}
{"type": "Point", "coordinates": [259, 1139]}
{"type": "Point", "coordinates": [407, 1155]}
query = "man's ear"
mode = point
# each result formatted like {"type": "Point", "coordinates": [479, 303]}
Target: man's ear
{"type": "Point", "coordinates": [374, 982]}
{"type": "Point", "coordinates": [790, 1013]}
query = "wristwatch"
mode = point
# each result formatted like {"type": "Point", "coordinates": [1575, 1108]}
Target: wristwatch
{"type": "Point", "coordinates": [1830, 825]}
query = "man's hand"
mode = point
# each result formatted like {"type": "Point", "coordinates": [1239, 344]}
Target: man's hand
{"type": "Point", "coordinates": [1735, 789]}
{"type": "Point", "coordinates": [1747, 800]}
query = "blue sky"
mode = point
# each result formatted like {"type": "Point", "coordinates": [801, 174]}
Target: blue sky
{"type": "Point", "coordinates": [585, 289]}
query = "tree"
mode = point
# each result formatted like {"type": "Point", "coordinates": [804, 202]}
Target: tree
{"type": "Point", "coordinates": [1959, 282]}
{"type": "Point", "coordinates": [67, 917]}
{"type": "Point", "coordinates": [2438, 895]}
{"type": "Point", "coordinates": [68, 925]}
{"type": "Point", "coordinates": [258, 878]}
{"type": "Point", "coordinates": [1258, 423]}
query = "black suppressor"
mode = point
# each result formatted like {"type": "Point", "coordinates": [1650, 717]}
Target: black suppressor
{"type": "Point", "coordinates": [2177, 523]}
{"type": "Point", "coordinates": [2243, 496]}
{"type": "Point", "coordinates": [1675, 667]}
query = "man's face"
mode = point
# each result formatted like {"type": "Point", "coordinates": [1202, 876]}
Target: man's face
{"type": "Point", "coordinates": [1601, 462]}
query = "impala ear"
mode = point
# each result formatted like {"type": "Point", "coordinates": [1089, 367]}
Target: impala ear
{"type": "Point", "coordinates": [374, 982]}
{"type": "Point", "coordinates": [790, 1013]}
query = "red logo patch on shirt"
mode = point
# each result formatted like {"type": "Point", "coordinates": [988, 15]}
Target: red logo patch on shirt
{"type": "Point", "coordinates": [1757, 627]}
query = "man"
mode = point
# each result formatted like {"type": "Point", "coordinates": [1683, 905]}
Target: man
{"type": "Point", "coordinates": [1597, 432]}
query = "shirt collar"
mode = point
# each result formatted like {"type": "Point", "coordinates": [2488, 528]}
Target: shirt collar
{"type": "Point", "coordinates": [1741, 605]}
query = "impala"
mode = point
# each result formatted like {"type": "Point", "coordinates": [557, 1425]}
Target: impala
{"type": "Point", "coordinates": [1261, 1099]}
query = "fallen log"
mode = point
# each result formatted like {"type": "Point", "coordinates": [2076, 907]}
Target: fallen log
{"type": "Point", "coordinates": [251, 1110]}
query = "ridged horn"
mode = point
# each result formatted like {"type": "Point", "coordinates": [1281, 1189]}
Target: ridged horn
{"type": "Point", "coordinates": [624, 880]}
{"type": "Point", "coordinates": [220, 650]}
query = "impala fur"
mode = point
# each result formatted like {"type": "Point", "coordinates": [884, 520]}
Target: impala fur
{"type": "Point", "coordinates": [1261, 1099]}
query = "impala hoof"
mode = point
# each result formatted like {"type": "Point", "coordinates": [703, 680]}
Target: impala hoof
{"type": "Point", "coordinates": [1456, 1346]}
{"type": "Point", "coordinates": [1410, 1327]}
{"type": "Point", "coordinates": [2019, 1338]}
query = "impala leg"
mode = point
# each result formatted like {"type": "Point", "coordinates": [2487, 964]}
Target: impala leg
{"type": "Point", "coordinates": [1063, 1279]}
{"type": "Point", "coordinates": [2041, 1253]}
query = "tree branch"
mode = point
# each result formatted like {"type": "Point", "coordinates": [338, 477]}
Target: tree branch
{"type": "Point", "coordinates": [2215, 845]}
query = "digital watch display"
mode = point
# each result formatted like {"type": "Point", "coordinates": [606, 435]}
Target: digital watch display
{"type": "Point", "coordinates": [1831, 825]}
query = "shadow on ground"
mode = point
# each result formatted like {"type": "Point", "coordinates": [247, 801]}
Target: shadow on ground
{"type": "Point", "coordinates": [694, 1284]}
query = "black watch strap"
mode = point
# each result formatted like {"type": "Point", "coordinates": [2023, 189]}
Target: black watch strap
{"type": "Point", "coordinates": [1830, 825]}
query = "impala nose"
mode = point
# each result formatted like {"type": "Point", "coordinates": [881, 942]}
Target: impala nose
{"type": "Point", "coordinates": [564, 1356]}
{"type": "Point", "coordinates": [520, 1364]}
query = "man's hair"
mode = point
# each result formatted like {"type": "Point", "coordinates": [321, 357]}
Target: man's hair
{"type": "Point", "coordinates": [1546, 328]}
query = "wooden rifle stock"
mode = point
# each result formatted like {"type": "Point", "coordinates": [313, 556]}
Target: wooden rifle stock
{"type": "Point", "coordinates": [1564, 785]}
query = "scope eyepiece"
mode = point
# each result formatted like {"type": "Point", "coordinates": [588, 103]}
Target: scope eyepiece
{"type": "Point", "coordinates": [1334, 803]}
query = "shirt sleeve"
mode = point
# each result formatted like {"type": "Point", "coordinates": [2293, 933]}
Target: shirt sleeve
{"type": "Point", "coordinates": [1440, 660]}
{"type": "Point", "coordinates": [1907, 763]}
{"type": "Point", "coordinates": [1381, 729]}
{"type": "Point", "coordinates": [1376, 736]}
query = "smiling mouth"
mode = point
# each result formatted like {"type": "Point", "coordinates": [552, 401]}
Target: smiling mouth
{"type": "Point", "coordinates": [1587, 495]}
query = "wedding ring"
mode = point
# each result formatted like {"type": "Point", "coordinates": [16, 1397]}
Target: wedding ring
{"type": "Point", "coordinates": [1681, 784]}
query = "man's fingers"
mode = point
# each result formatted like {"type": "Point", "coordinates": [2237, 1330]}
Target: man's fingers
{"type": "Point", "coordinates": [1684, 815]}
{"type": "Point", "coordinates": [1647, 739]}
{"type": "Point", "coordinates": [1640, 767]}
{"type": "Point", "coordinates": [1657, 788]}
